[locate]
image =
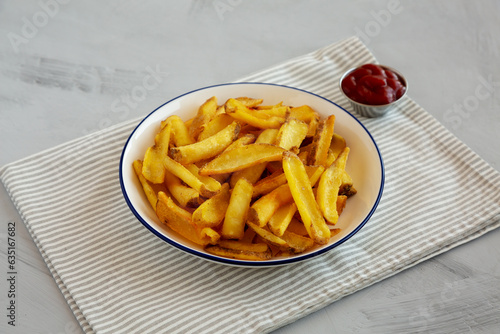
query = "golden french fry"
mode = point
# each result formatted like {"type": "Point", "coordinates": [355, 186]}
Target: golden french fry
{"type": "Point", "coordinates": [272, 111]}
{"type": "Point", "coordinates": [304, 113]}
{"type": "Point", "coordinates": [301, 189]}
{"type": "Point", "coordinates": [269, 183]}
{"type": "Point", "coordinates": [346, 187]}
{"type": "Point", "coordinates": [336, 147]}
{"type": "Point", "coordinates": [180, 132]}
{"type": "Point", "coordinates": [240, 250]}
{"type": "Point", "coordinates": [187, 177]}
{"type": "Point", "coordinates": [241, 158]}
{"type": "Point", "coordinates": [206, 148]}
{"type": "Point", "coordinates": [308, 115]}
{"type": "Point", "coordinates": [211, 184]}
{"type": "Point", "coordinates": [329, 185]}
{"type": "Point", "coordinates": [264, 208]}
{"type": "Point", "coordinates": [152, 167]}
{"type": "Point", "coordinates": [233, 226]}
{"type": "Point", "coordinates": [148, 190]}
{"type": "Point", "coordinates": [215, 125]}
{"type": "Point", "coordinates": [296, 242]}
{"type": "Point", "coordinates": [249, 102]}
{"type": "Point", "coordinates": [313, 127]}
{"type": "Point", "coordinates": [268, 236]}
{"type": "Point", "coordinates": [184, 195]}
{"type": "Point", "coordinates": [211, 212]}
{"type": "Point", "coordinates": [269, 106]}
{"type": "Point", "coordinates": [291, 134]}
{"type": "Point", "coordinates": [242, 141]}
{"type": "Point", "coordinates": [240, 112]}
{"type": "Point", "coordinates": [253, 173]}
{"type": "Point", "coordinates": [321, 142]}
{"type": "Point", "coordinates": [205, 113]}
{"type": "Point", "coordinates": [267, 136]}
{"type": "Point", "coordinates": [178, 219]}
{"type": "Point", "coordinates": [281, 218]}
{"type": "Point", "coordinates": [341, 202]}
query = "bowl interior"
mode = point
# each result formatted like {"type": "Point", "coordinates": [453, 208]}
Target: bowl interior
{"type": "Point", "coordinates": [364, 164]}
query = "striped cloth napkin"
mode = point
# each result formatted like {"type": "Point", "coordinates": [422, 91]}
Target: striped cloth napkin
{"type": "Point", "coordinates": [119, 278]}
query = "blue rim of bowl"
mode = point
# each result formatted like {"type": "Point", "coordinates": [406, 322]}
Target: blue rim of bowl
{"type": "Point", "coordinates": [236, 262]}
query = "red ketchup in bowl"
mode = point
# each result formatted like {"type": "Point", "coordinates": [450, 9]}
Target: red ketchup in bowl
{"type": "Point", "coordinates": [374, 85]}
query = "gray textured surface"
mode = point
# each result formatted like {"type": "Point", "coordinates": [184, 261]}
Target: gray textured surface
{"type": "Point", "coordinates": [79, 69]}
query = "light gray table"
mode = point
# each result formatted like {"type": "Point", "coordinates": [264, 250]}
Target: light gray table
{"type": "Point", "coordinates": [68, 68]}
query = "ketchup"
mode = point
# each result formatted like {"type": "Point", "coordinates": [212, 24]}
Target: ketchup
{"type": "Point", "coordinates": [373, 84]}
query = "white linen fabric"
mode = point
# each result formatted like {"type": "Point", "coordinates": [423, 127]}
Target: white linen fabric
{"type": "Point", "coordinates": [119, 278]}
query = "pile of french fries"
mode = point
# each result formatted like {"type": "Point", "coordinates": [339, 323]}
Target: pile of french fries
{"type": "Point", "coordinates": [246, 180]}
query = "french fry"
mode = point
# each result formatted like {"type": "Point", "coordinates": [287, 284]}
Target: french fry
{"type": "Point", "coordinates": [180, 132]}
{"type": "Point", "coordinates": [152, 167]}
{"type": "Point", "coordinates": [211, 184]}
{"type": "Point", "coordinates": [321, 142]}
{"type": "Point", "coordinates": [215, 125]}
{"type": "Point", "coordinates": [148, 190]}
{"type": "Point", "coordinates": [246, 139]}
{"type": "Point", "coordinates": [264, 107]}
{"type": "Point", "coordinates": [297, 243]}
{"type": "Point", "coordinates": [313, 127]}
{"type": "Point", "coordinates": [264, 208]}
{"type": "Point", "coordinates": [281, 218]}
{"type": "Point", "coordinates": [211, 212]}
{"type": "Point", "coordinates": [291, 134]}
{"type": "Point", "coordinates": [184, 195]}
{"type": "Point", "coordinates": [253, 173]}
{"type": "Point", "coordinates": [269, 183]}
{"type": "Point", "coordinates": [338, 144]}
{"type": "Point", "coordinates": [307, 114]}
{"type": "Point", "coordinates": [187, 177]}
{"type": "Point", "coordinates": [178, 219]}
{"type": "Point", "coordinates": [269, 237]}
{"type": "Point", "coordinates": [240, 251]}
{"type": "Point", "coordinates": [242, 141]}
{"type": "Point", "coordinates": [272, 111]}
{"type": "Point", "coordinates": [233, 226]}
{"type": "Point", "coordinates": [336, 147]}
{"type": "Point", "coordinates": [346, 187]}
{"type": "Point", "coordinates": [205, 113]}
{"type": "Point", "coordinates": [328, 188]}
{"type": "Point", "coordinates": [206, 148]}
{"type": "Point", "coordinates": [249, 102]}
{"type": "Point", "coordinates": [341, 202]}
{"type": "Point", "coordinates": [301, 189]}
{"type": "Point", "coordinates": [267, 136]}
{"type": "Point", "coordinates": [243, 114]}
{"type": "Point", "coordinates": [304, 113]}
{"type": "Point", "coordinates": [241, 158]}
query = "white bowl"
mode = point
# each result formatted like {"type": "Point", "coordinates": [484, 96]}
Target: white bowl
{"type": "Point", "coordinates": [364, 165]}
